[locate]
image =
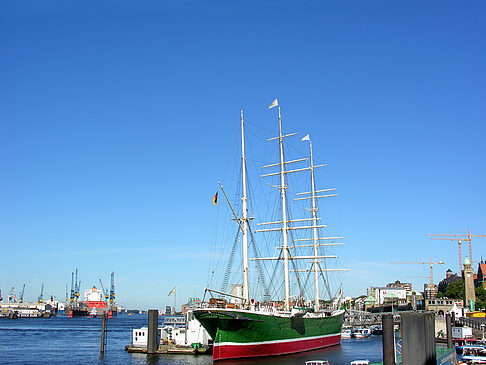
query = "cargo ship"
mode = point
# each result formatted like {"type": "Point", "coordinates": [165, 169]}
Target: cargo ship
{"type": "Point", "coordinates": [97, 302]}
{"type": "Point", "coordinates": [93, 305]}
{"type": "Point", "coordinates": [244, 328]}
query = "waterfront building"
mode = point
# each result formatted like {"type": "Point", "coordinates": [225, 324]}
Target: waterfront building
{"type": "Point", "coordinates": [398, 284]}
{"type": "Point", "coordinates": [359, 303]}
{"type": "Point", "coordinates": [441, 306]}
{"type": "Point", "coordinates": [449, 279]}
{"type": "Point", "coordinates": [457, 309]}
{"type": "Point", "coordinates": [416, 300]}
{"type": "Point", "coordinates": [387, 295]}
{"type": "Point", "coordinates": [369, 303]}
{"type": "Point", "coordinates": [27, 309]}
{"type": "Point", "coordinates": [430, 291]}
{"type": "Point", "coordinates": [481, 275]}
{"type": "Point", "coordinates": [469, 289]}
{"type": "Point", "coordinates": [391, 299]}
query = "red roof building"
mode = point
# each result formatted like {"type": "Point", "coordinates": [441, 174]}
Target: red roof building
{"type": "Point", "coordinates": [481, 274]}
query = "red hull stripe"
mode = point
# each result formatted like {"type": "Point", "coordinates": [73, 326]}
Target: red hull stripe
{"type": "Point", "coordinates": [228, 350]}
{"type": "Point", "coordinates": [94, 304]}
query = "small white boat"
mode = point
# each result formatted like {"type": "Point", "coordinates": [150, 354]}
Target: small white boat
{"type": "Point", "coordinates": [474, 350]}
{"type": "Point", "coordinates": [317, 362]}
{"type": "Point", "coordinates": [361, 333]}
{"type": "Point", "coordinates": [474, 359]}
{"type": "Point", "coordinates": [346, 333]}
{"type": "Point", "coordinates": [360, 362]}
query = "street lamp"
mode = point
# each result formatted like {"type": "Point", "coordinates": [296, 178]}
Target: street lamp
{"type": "Point", "coordinates": [482, 329]}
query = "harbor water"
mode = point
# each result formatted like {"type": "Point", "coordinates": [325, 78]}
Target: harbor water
{"type": "Point", "coordinates": [63, 340]}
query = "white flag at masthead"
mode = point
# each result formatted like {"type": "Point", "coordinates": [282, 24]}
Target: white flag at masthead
{"type": "Point", "coordinates": [275, 103]}
{"type": "Point", "coordinates": [173, 291]}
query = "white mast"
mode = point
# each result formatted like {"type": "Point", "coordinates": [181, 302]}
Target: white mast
{"type": "Point", "coordinates": [284, 215]}
{"type": "Point", "coordinates": [244, 218]}
{"type": "Point", "coordinates": [284, 222]}
{"type": "Point", "coordinates": [314, 222]}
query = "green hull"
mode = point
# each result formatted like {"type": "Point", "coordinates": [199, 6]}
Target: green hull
{"type": "Point", "coordinates": [241, 333]}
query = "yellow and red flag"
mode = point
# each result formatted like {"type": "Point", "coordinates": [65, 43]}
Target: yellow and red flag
{"type": "Point", "coordinates": [215, 198]}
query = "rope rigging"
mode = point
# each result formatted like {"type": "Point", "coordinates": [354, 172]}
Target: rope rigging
{"type": "Point", "coordinates": [227, 272]}
{"type": "Point", "coordinates": [261, 276]}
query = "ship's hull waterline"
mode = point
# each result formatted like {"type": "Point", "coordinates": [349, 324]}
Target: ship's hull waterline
{"type": "Point", "coordinates": [243, 334]}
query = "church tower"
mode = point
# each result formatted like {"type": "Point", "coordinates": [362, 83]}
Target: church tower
{"type": "Point", "coordinates": [469, 290]}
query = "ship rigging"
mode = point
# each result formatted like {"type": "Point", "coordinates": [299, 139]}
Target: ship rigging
{"type": "Point", "coordinates": [319, 327]}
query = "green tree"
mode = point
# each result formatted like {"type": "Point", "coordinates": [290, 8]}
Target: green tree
{"type": "Point", "coordinates": [440, 294]}
{"type": "Point", "coordinates": [455, 290]}
{"type": "Point", "coordinates": [480, 297]}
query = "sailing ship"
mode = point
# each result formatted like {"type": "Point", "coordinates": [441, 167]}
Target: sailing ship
{"type": "Point", "coordinates": [247, 328]}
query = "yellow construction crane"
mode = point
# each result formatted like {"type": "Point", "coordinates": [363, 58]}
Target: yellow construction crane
{"type": "Point", "coordinates": [459, 242]}
{"type": "Point", "coordinates": [431, 263]}
{"type": "Point", "coordinates": [459, 238]}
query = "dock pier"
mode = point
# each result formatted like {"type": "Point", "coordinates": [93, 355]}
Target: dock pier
{"type": "Point", "coordinates": [168, 349]}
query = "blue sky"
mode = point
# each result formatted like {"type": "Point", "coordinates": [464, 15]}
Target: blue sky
{"type": "Point", "coordinates": [118, 118]}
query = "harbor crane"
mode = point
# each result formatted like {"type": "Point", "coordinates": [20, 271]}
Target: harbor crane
{"type": "Point", "coordinates": [72, 288]}
{"type": "Point", "coordinates": [77, 290]}
{"type": "Point", "coordinates": [105, 292]}
{"type": "Point", "coordinates": [431, 263]}
{"type": "Point", "coordinates": [112, 288]}
{"type": "Point", "coordinates": [459, 238]}
{"type": "Point", "coordinates": [12, 298]}
{"type": "Point", "coordinates": [21, 300]}
{"type": "Point", "coordinates": [76, 286]}
{"type": "Point", "coordinates": [40, 298]}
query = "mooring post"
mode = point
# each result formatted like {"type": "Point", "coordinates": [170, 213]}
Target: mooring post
{"type": "Point", "coordinates": [429, 337]}
{"type": "Point", "coordinates": [152, 344]}
{"type": "Point", "coordinates": [418, 339]}
{"type": "Point", "coordinates": [103, 328]}
{"type": "Point", "coordinates": [388, 339]}
{"type": "Point", "coordinates": [413, 341]}
{"type": "Point", "coordinates": [449, 321]}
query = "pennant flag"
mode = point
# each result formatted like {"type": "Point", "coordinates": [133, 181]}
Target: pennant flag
{"type": "Point", "coordinates": [306, 138]}
{"type": "Point", "coordinates": [275, 103]}
{"type": "Point", "coordinates": [172, 291]}
{"type": "Point", "coordinates": [215, 198]}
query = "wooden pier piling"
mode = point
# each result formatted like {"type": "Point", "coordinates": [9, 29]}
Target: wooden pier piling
{"type": "Point", "coordinates": [449, 330]}
{"type": "Point", "coordinates": [388, 340]}
{"type": "Point", "coordinates": [418, 339]}
{"type": "Point", "coordinates": [103, 334]}
{"type": "Point", "coordinates": [152, 338]}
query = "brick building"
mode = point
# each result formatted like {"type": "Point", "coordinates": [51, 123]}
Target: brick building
{"type": "Point", "coordinates": [449, 279]}
{"type": "Point", "coordinates": [481, 274]}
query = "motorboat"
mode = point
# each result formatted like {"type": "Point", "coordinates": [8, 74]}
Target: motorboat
{"type": "Point", "coordinates": [361, 333]}
{"type": "Point", "coordinates": [346, 333]}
